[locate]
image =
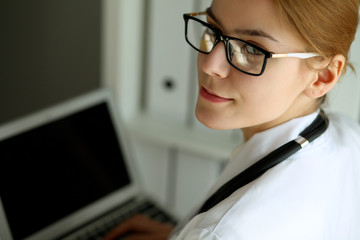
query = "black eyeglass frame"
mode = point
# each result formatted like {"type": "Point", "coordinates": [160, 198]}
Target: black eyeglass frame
{"type": "Point", "coordinates": [220, 37]}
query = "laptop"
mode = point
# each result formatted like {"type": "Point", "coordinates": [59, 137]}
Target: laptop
{"type": "Point", "coordinates": [66, 173]}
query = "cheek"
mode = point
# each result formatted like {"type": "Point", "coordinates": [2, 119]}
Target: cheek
{"type": "Point", "coordinates": [284, 76]}
{"type": "Point", "coordinates": [204, 68]}
{"type": "Point", "coordinates": [199, 64]}
{"type": "Point", "coordinates": [271, 94]}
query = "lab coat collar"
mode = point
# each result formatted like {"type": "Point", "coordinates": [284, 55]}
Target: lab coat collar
{"type": "Point", "coordinates": [261, 144]}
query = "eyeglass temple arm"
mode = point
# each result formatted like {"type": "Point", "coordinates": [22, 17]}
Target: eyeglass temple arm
{"type": "Point", "coordinates": [296, 55]}
{"type": "Point", "coordinates": [197, 14]}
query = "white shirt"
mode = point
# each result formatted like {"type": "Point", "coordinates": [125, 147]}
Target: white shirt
{"type": "Point", "coordinates": [312, 195]}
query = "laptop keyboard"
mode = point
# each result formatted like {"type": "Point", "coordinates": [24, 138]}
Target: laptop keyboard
{"type": "Point", "coordinates": [99, 228]}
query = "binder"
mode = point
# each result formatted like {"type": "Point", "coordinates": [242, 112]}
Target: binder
{"type": "Point", "coordinates": [167, 78]}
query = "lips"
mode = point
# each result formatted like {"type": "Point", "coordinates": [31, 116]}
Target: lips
{"type": "Point", "coordinates": [212, 97]}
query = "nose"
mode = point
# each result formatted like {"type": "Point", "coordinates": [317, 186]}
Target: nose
{"type": "Point", "coordinates": [215, 63]}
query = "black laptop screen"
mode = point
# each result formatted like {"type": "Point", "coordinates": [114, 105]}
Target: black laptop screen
{"type": "Point", "coordinates": [53, 170]}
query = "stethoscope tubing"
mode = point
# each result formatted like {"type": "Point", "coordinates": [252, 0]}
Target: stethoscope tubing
{"type": "Point", "coordinates": [314, 130]}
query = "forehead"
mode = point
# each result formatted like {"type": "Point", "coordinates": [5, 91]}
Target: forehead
{"type": "Point", "coordinates": [247, 13]}
{"type": "Point", "coordinates": [261, 15]}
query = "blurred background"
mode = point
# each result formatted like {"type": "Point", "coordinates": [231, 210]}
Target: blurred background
{"type": "Point", "coordinates": [56, 50]}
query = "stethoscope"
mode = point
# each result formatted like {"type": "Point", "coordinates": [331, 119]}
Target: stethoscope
{"type": "Point", "coordinates": [314, 130]}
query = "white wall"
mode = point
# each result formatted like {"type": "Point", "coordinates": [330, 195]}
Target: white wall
{"type": "Point", "coordinates": [345, 97]}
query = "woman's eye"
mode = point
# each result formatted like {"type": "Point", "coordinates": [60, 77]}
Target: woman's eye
{"type": "Point", "coordinates": [252, 50]}
{"type": "Point", "coordinates": [209, 32]}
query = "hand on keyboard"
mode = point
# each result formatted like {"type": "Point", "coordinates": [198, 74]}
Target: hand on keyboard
{"type": "Point", "coordinates": [140, 227]}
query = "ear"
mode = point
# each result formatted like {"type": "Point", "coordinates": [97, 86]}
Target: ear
{"type": "Point", "coordinates": [325, 79]}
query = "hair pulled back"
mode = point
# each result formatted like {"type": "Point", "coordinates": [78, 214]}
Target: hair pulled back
{"type": "Point", "coordinates": [327, 27]}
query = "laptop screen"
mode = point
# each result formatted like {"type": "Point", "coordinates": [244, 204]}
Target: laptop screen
{"type": "Point", "coordinates": [57, 168]}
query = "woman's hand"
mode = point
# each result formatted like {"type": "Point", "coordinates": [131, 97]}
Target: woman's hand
{"type": "Point", "coordinates": [140, 227]}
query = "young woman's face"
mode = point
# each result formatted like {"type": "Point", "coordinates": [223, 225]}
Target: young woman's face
{"type": "Point", "coordinates": [230, 99]}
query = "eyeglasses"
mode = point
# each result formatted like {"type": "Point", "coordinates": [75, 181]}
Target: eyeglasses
{"type": "Point", "coordinates": [242, 55]}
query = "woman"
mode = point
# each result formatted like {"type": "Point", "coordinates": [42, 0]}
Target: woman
{"type": "Point", "coordinates": [245, 81]}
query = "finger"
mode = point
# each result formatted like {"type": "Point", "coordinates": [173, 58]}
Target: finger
{"type": "Point", "coordinates": [142, 223]}
{"type": "Point", "coordinates": [137, 223]}
{"type": "Point", "coordinates": [144, 236]}
{"type": "Point", "coordinates": [119, 230]}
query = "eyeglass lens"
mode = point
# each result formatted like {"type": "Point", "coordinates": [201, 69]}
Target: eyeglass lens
{"type": "Point", "coordinates": [239, 54]}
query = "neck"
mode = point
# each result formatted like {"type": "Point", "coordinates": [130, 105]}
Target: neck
{"type": "Point", "coordinates": [248, 132]}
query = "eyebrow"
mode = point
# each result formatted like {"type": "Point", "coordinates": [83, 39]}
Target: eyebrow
{"type": "Point", "coordinates": [248, 32]}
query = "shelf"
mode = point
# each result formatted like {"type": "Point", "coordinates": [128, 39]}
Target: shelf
{"type": "Point", "coordinates": [215, 145]}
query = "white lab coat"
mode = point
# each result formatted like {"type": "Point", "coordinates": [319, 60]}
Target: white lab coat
{"type": "Point", "coordinates": [313, 195]}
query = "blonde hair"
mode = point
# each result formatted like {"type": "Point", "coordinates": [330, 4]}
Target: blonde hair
{"type": "Point", "coordinates": [327, 27]}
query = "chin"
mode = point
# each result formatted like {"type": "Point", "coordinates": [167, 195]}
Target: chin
{"type": "Point", "coordinates": [212, 122]}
